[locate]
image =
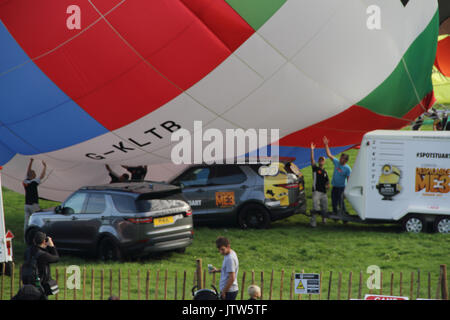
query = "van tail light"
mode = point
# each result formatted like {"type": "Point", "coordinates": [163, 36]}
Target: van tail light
{"type": "Point", "coordinates": [141, 220]}
{"type": "Point", "coordinates": [288, 185]}
{"type": "Point", "coordinates": [188, 213]}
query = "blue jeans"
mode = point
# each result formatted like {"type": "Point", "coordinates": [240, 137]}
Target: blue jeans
{"type": "Point", "coordinates": [231, 295]}
{"type": "Point", "coordinates": [337, 200]}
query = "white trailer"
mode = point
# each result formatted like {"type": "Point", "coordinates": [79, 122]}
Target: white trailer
{"type": "Point", "coordinates": [403, 177]}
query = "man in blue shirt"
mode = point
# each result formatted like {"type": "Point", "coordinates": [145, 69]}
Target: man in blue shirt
{"type": "Point", "coordinates": [340, 176]}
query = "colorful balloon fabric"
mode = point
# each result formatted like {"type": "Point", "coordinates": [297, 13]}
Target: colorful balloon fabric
{"type": "Point", "coordinates": [441, 70]}
{"type": "Point", "coordinates": [114, 90]}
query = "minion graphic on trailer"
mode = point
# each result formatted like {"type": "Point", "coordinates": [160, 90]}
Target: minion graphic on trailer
{"type": "Point", "coordinates": [388, 184]}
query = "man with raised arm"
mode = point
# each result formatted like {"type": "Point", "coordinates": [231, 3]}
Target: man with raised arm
{"type": "Point", "coordinates": [320, 187]}
{"type": "Point", "coordinates": [341, 174]}
{"type": "Point", "coordinates": [31, 184]}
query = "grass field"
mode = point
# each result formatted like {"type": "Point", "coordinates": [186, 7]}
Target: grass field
{"type": "Point", "coordinates": [289, 244]}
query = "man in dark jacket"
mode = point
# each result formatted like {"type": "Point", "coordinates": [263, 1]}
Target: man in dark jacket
{"type": "Point", "coordinates": [48, 255]}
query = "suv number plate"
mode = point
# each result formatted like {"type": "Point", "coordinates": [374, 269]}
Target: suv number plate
{"type": "Point", "coordinates": [163, 221]}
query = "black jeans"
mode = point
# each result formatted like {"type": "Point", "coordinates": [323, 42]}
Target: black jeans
{"type": "Point", "coordinates": [337, 199]}
{"type": "Point", "coordinates": [231, 295]}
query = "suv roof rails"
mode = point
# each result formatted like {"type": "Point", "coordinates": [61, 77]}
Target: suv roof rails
{"type": "Point", "coordinates": [138, 187]}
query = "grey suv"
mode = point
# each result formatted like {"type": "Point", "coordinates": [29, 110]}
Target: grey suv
{"type": "Point", "coordinates": [118, 220]}
{"type": "Point", "coordinates": [238, 193]}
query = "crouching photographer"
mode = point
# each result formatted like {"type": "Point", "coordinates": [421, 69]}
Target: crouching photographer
{"type": "Point", "coordinates": [35, 271]}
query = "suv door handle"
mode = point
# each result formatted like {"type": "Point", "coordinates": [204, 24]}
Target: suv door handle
{"type": "Point", "coordinates": [201, 190]}
{"type": "Point", "coordinates": [74, 218]}
{"type": "Point", "coordinates": [244, 186]}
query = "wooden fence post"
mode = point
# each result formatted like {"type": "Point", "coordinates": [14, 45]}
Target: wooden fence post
{"type": "Point", "coordinates": [102, 284]}
{"type": "Point", "coordinates": [65, 283]}
{"type": "Point", "coordinates": [444, 284]}
{"type": "Point", "coordinates": [320, 286]}
{"type": "Point", "coordinates": [349, 286]}
{"type": "Point", "coordinates": [401, 283]}
{"type": "Point", "coordinates": [429, 285]}
{"type": "Point", "coordinates": [120, 283]}
{"type": "Point", "coordinates": [392, 284]}
{"type": "Point", "coordinates": [360, 285]}
{"type": "Point", "coordinates": [253, 277]}
{"type": "Point", "coordinates": [243, 286]}
{"type": "Point", "coordinates": [147, 285]}
{"type": "Point", "coordinates": [271, 286]}
{"type": "Point", "coordinates": [165, 284]}
{"type": "Point", "coordinates": [110, 282]}
{"type": "Point", "coordinates": [339, 286]}
{"type": "Point", "coordinates": [329, 285]}
{"type": "Point", "coordinates": [75, 292]}
{"type": "Point", "coordinates": [281, 284]}
{"type": "Point", "coordinates": [411, 292]}
{"type": "Point", "coordinates": [418, 284]}
{"type": "Point", "coordinates": [199, 274]}
{"type": "Point", "coordinates": [156, 285]}
{"type": "Point", "coordinates": [291, 286]}
{"type": "Point", "coordinates": [262, 285]}
{"type": "Point", "coordinates": [92, 285]}
{"type": "Point", "coordinates": [139, 284]}
{"type": "Point", "coordinates": [176, 286]}
{"type": "Point", "coordinates": [183, 297]}
{"type": "Point", "coordinates": [12, 279]}
{"type": "Point", "coordinates": [381, 282]}
{"type": "Point", "coordinates": [84, 283]}
{"type": "Point", "coordinates": [56, 279]}
{"type": "Point", "coordinates": [129, 284]}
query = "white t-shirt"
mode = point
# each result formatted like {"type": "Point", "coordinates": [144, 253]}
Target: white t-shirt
{"type": "Point", "coordinates": [230, 264]}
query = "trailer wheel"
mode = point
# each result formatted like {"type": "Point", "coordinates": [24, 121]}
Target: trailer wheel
{"type": "Point", "coordinates": [413, 224]}
{"type": "Point", "coordinates": [442, 224]}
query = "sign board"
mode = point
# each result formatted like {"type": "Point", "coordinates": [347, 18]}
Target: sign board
{"type": "Point", "coordinates": [307, 283]}
{"type": "Point", "coordinates": [381, 297]}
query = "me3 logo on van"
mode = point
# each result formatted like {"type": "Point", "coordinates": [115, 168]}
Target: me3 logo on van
{"type": "Point", "coordinates": [225, 199]}
{"type": "Point", "coordinates": [433, 180]}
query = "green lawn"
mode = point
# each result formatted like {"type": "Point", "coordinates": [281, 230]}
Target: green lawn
{"type": "Point", "coordinates": [288, 245]}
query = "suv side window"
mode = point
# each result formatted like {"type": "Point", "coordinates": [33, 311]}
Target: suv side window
{"type": "Point", "coordinates": [96, 203]}
{"type": "Point", "coordinates": [228, 174]}
{"type": "Point", "coordinates": [76, 202]}
{"type": "Point", "coordinates": [124, 204]}
{"type": "Point", "coordinates": [195, 177]}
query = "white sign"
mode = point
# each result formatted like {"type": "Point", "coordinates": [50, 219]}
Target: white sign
{"type": "Point", "coordinates": [307, 283]}
{"type": "Point", "coordinates": [381, 297]}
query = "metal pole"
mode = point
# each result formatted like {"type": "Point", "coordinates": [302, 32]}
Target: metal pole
{"type": "Point", "coordinates": [3, 253]}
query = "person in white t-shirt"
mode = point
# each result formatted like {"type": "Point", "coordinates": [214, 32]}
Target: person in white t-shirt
{"type": "Point", "coordinates": [228, 284]}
